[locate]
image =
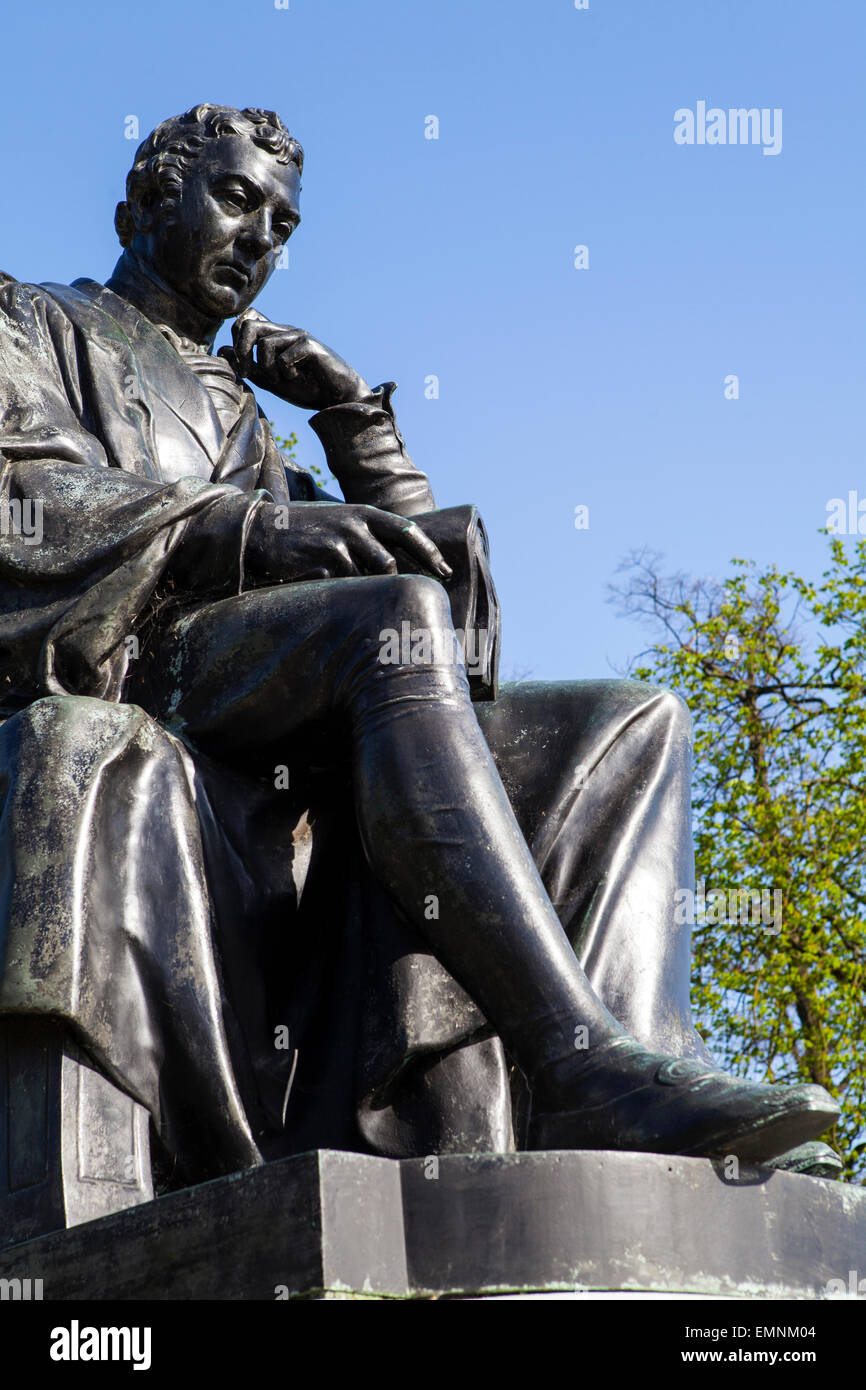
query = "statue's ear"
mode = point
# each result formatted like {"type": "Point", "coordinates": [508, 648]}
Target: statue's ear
{"type": "Point", "coordinates": [124, 224]}
{"type": "Point", "coordinates": [127, 222]}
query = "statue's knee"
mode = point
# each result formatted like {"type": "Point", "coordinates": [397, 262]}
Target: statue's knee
{"type": "Point", "coordinates": [412, 598]}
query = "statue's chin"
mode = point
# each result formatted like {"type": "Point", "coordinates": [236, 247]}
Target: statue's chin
{"type": "Point", "coordinates": [223, 301]}
{"type": "Point", "coordinates": [215, 295]}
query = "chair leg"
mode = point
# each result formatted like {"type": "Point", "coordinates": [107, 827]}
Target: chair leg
{"type": "Point", "coordinates": [72, 1146]}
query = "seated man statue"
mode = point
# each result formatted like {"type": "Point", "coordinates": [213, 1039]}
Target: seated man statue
{"type": "Point", "coordinates": [284, 893]}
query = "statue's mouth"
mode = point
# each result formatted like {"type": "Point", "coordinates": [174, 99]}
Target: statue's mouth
{"type": "Point", "coordinates": [236, 277]}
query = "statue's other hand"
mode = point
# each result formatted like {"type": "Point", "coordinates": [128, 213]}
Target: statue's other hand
{"type": "Point", "coordinates": [332, 540]}
{"type": "Point", "coordinates": [292, 364]}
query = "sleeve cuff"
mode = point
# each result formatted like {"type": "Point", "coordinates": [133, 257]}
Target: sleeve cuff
{"type": "Point", "coordinates": [366, 453]}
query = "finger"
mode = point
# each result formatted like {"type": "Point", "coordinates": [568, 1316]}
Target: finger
{"type": "Point", "coordinates": [293, 348]}
{"type": "Point", "coordinates": [370, 555]}
{"type": "Point", "coordinates": [396, 530]}
{"type": "Point", "coordinates": [252, 328]}
{"type": "Point", "coordinates": [341, 562]}
{"type": "Point", "coordinates": [320, 572]}
{"type": "Point", "coordinates": [244, 334]}
{"type": "Point", "coordinates": [264, 360]}
{"type": "Point", "coordinates": [291, 352]}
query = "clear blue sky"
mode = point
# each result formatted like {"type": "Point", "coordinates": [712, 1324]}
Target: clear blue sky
{"type": "Point", "coordinates": [558, 386]}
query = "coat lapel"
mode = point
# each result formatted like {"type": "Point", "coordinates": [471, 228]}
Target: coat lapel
{"type": "Point", "coordinates": [148, 400]}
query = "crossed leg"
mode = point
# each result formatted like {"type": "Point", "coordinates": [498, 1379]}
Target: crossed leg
{"type": "Point", "coordinates": [265, 671]}
{"type": "Point", "coordinates": [265, 676]}
{"type": "Point", "coordinates": [599, 776]}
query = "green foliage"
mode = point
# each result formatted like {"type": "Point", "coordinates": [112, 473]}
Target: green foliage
{"type": "Point", "coordinates": [773, 669]}
{"type": "Point", "coordinates": [286, 445]}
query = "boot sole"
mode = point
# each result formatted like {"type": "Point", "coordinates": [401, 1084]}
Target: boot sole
{"type": "Point", "coordinates": [753, 1141]}
{"type": "Point", "coordinates": [778, 1133]}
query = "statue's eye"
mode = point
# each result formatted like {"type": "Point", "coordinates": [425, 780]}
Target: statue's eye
{"type": "Point", "coordinates": [235, 197]}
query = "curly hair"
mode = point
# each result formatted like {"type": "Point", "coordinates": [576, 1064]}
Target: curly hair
{"type": "Point", "coordinates": [161, 162]}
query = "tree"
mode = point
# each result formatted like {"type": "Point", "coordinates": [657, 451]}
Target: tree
{"type": "Point", "coordinates": [773, 668]}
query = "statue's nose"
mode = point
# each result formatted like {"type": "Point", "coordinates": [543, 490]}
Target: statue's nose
{"type": "Point", "coordinates": [258, 235]}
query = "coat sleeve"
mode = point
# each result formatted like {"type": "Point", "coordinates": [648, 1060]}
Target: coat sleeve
{"type": "Point", "coordinates": [82, 545]}
{"type": "Point", "coordinates": [367, 455]}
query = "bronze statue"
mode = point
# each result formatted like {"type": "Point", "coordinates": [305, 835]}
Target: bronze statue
{"type": "Point", "coordinates": [284, 891]}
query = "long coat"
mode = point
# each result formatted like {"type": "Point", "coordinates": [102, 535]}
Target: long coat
{"type": "Point", "coordinates": [218, 944]}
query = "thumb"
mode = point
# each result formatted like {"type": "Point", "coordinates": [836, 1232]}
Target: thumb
{"type": "Point", "coordinates": [250, 313]}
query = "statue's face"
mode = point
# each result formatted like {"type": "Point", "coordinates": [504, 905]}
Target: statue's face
{"type": "Point", "coordinates": [219, 244]}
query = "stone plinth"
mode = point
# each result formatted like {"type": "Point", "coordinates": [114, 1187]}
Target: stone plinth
{"type": "Point", "coordinates": [333, 1224]}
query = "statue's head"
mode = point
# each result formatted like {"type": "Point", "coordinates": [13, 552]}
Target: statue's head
{"type": "Point", "coordinates": [211, 199]}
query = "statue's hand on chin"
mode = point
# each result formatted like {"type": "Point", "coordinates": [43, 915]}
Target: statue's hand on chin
{"type": "Point", "coordinates": [331, 540]}
{"type": "Point", "coordinates": [292, 364]}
